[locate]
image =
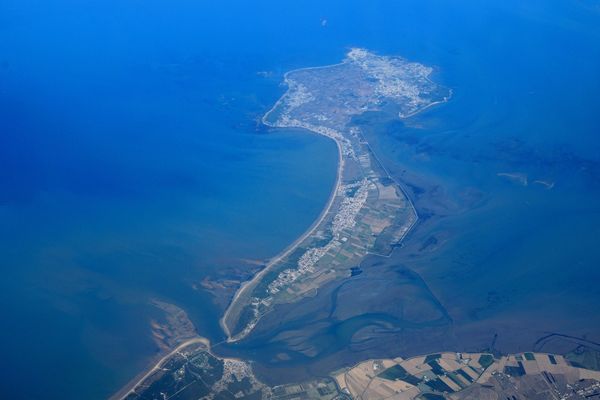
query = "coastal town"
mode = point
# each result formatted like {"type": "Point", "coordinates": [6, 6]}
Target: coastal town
{"type": "Point", "coordinates": [193, 372]}
{"type": "Point", "coordinates": [368, 212]}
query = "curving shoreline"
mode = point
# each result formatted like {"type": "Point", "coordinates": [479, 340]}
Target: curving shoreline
{"type": "Point", "coordinates": [323, 100]}
{"type": "Point", "coordinates": [140, 378]}
{"type": "Point", "coordinates": [248, 285]}
{"type": "Point", "coordinates": [245, 286]}
{"type": "Point", "coordinates": [355, 169]}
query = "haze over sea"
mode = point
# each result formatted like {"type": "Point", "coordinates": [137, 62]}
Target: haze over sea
{"type": "Point", "coordinates": [132, 165]}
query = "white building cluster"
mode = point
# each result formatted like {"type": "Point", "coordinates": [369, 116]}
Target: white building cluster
{"type": "Point", "coordinates": [346, 216]}
{"type": "Point", "coordinates": [389, 78]}
{"type": "Point", "coordinates": [395, 77]}
{"type": "Point", "coordinates": [344, 219]}
{"type": "Point", "coordinates": [235, 371]}
{"type": "Point", "coordinates": [297, 96]}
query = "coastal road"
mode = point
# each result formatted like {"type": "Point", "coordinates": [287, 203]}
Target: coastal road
{"type": "Point", "coordinates": [127, 390]}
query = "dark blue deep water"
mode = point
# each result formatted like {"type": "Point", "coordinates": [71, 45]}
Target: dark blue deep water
{"type": "Point", "coordinates": [132, 164]}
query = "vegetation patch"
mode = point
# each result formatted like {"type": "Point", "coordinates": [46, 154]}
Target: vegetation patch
{"type": "Point", "coordinates": [436, 368]}
{"type": "Point", "coordinates": [465, 375]}
{"type": "Point", "coordinates": [439, 386]}
{"type": "Point", "coordinates": [432, 357]}
{"type": "Point", "coordinates": [486, 360]}
{"type": "Point", "coordinates": [515, 371]}
{"type": "Point", "coordinates": [397, 372]}
{"type": "Point", "coordinates": [432, 396]}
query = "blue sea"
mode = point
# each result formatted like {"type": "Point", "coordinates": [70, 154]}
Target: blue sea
{"type": "Point", "coordinates": [133, 164]}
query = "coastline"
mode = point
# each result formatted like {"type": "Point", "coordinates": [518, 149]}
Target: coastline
{"type": "Point", "coordinates": [404, 192]}
{"type": "Point", "coordinates": [138, 379]}
{"type": "Point", "coordinates": [158, 361]}
{"type": "Point", "coordinates": [250, 284]}
{"type": "Point", "coordinates": [292, 246]}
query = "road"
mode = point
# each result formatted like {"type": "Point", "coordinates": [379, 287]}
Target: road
{"type": "Point", "coordinates": [129, 388]}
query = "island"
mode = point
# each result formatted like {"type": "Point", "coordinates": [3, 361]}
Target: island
{"type": "Point", "coordinates": [368, 212]}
